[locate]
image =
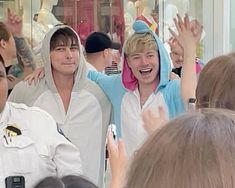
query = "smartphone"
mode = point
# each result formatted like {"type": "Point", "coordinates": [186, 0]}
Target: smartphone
{"type": "Point", "coordinates": [15, 182]}
{"type": "Point", "coordinates": [114, 130]}
{"type": "Point", "coordinates": [191, 104]}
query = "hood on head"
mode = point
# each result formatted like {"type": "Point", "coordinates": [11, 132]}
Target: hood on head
{"type": "Point", "coordinates": [45, 53]}
{"type": "Point", "coordinates": [128, 79]}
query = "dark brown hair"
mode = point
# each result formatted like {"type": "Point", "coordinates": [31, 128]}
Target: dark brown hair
{"type": "Point", "coordinates": [62, 37]}
{"type": "Point", "coordinates": [196, 150]}
{"type": "Point", "coordinates": [216, 84]}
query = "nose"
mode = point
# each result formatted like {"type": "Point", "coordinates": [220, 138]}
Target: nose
{"type": "Point", "coordinates": [68, 53]}
{"type": "Point", "coordinates": [144, 60]}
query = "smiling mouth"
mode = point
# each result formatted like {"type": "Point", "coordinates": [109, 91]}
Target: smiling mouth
{"type": "Point", "coordinates": [68, 63]}
{"type": "Point", "coordinates": [145, 71]}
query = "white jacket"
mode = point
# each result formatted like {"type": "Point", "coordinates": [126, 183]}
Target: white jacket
{"type": "Point", "coordinates": [39, 151]}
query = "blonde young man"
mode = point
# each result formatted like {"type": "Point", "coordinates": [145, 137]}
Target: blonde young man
{"type": "Point", "coordinates": [144, 83]}
{"type": "Point", "coordinates": [78, 105]}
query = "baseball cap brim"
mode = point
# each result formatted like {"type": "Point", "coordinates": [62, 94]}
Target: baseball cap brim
{"type": "Point", "coordinates": [115, 45]}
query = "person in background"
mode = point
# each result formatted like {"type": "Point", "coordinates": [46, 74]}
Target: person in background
{"type": "Point", "coordinates": [195, 150]}
{"type": "Point", "coordinates": [70, 181]}
{"type": "Point", "coordinates": [98, 48]}
{"type": "Point", "coordinates": [78, 105]}
{"type": "Point", "coordinates": [215, 89]}
{"type": "Point", "coordinates": [31, 145]}
{"type": "Point", "coordinates": [216, 84]}
{"type": "Point", "coordinates": [12, 45]}
{"type": "Point", "coordinates": [115, 68]}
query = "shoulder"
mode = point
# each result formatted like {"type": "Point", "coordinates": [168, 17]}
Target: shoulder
{"type": "Point", "coordinates": [94, 89]}
{"type": "Point", "coordinates": [31, 112]}
{"type": "Point", "coordinates": [25, 93]}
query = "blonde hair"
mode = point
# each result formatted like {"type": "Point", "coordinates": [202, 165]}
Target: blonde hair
{"type": "Point", "coordinates": [196, 150]}
{"type": "Point", "coordinates": [140, 42]}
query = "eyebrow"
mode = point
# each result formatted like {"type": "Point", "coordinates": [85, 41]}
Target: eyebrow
{"type": "Point", "coordinates": [62, 45]}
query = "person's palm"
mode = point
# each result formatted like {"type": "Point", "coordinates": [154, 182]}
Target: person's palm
{"type": "Point", "coordinates": [14, 23]}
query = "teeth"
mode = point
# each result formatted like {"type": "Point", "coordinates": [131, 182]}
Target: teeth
{"type": "Point", "coordinates": [145, 70]}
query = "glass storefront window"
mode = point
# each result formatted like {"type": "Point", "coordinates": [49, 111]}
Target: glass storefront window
{"type": "Point", "coordinates": [168, 9]}
{"type": "Point", "coordinates": [115, 17]}
{"type": "Point", "coordinates": [232, 25]}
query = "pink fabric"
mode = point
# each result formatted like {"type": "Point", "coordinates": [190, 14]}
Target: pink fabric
{"type": "Point", "coordinates": [128, 79]}
{"type": "Point", "coordinates": [198, 66]}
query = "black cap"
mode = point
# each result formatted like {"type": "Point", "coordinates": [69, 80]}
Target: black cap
{"type": "Point", "coordinates": [98, 41]}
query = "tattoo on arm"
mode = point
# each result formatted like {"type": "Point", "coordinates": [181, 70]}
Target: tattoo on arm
{"type": "Point", "coordinates": [24, 53]}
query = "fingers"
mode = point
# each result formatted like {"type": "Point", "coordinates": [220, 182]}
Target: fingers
{"type": "Point", "coordinates": [29, 79]}
{"type": "Point", "coordinates": [186, 21]}
{"type": "Point", "coordinates": [121, 147]}
{"type": "Point", "coordinates": [180, 23]}
{"type": "Point", "coordinates": [172, 33]}
{"type": "Point", "coordinates": [162, 113]}
{"type": "Point", "coordinates": [146, 115]}
{"type": "Point", "coordinates": [12, 17]}
{"type": "Point", "coordinates": [111, 142]}
{"type": "Point", "coordinates": [177, 25]}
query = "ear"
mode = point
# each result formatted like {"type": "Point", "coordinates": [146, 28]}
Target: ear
{"type": "Point", "coordinates": [3, 44]}
{"type": "Point", "coordinates": [105, 53]}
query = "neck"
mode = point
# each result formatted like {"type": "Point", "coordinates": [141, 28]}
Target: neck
{"type": "Point", "coordinates": [7, 60]}
{"type": "Point", "coordinates": [146, 90]}
{"type": "Point", "coordinates": [97, 62]}
{"type": "Point", "coordinates": [64, 85]}
{"type": "Point", "coordinates": [63, 82]}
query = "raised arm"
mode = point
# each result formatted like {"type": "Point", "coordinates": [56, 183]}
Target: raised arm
{"type": "Point", "coordinates": [188, 37]}
{"type": "Point", "coordinates": [24, 52]}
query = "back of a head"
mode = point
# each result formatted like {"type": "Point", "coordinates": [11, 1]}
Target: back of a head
{"type": "Point", "coordinates": [4, 33]}
{"type": "Point", "coordinates": [50, 182]}
{"type": "Point", "coordinates": [196, 150]}
{"type": "Point", "coordinates": [73, 181]}
{"type": "Point", "coordinates": [216, 84]}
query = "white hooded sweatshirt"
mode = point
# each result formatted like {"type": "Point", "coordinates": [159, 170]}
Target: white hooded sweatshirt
{"type": "Point", "coordinates": [87, 118]}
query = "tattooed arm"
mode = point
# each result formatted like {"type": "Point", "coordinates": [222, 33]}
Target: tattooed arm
{"type": "Point", "coordinates": [25, 55]}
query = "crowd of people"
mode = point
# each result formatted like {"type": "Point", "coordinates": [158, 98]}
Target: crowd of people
{"type": "Point", "coordinates": [55, 124]}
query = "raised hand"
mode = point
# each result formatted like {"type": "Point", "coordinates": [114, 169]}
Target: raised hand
{"type": "Point", "coordinates": [118, 160]}
{"type": "Point", "coordinates": [188, 34]}
{"type": "Point", "coordinates": [188, 37]}
{"type": "Point", "coordinates": [14, 23]}
{"type": "Point", "coordinates": [152, 121]}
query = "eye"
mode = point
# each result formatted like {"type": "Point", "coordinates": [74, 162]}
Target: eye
{"type": "Point", "coordinates": [136, 57]}
{"type": "Point", "coordinates": [150, 56]}
{"type": "Point", "coordinates": [60, 49]}
{"type": "Point", "coordinates": [74, 48]}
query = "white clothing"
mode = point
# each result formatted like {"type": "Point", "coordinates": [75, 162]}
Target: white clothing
{"type": "Point", "coordinates": [86, 121]}
{"type": "Point", "coordinates": [134, 134]}
{"type": "Point", "coordinates": [39, 151]}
